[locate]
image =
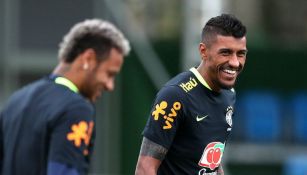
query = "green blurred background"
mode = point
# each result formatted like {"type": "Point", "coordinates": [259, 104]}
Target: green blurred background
{"type": "Point", "coordinates": [164, 37]}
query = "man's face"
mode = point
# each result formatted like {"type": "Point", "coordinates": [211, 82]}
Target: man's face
{"type": "Point", "coordinates": [103, 76]}
{"type": "Point", "coordinates": [223, 60]}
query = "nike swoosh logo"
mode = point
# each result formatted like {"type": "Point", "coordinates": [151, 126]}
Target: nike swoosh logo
{"type": "Point", "coordinates": [198, 118]}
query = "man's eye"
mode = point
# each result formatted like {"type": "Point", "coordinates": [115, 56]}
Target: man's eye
{"type": "Point", "coordinates": [241, 54]}
{"type": "Point", "coordinates": [111, 74]}
{"type": "Point", "coordinates": [225, 53]}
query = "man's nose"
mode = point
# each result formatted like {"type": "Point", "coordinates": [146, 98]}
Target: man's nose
{"type": "Point", "coordinates": [234, 61]}
{"type": "Point", "coordinates": [110, 85]}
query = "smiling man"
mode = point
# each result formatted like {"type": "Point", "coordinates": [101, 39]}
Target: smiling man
{"type": "Point", "coordinates": [48, 127]}
{"type": "Point", "coordinates": [191, 117]}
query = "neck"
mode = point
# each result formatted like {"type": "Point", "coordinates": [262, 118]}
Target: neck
{"type": "Point", "coordinates": [65, 70]}
{"type": "Point", "coordinates": [204, 73]}
{"type": "Point", "coordinates": [62, 69]}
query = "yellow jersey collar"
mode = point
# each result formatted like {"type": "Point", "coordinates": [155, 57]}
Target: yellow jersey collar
{"type": "Point", "coordinates": [65, 82]}
{"type": "Point", "coordinates": [200, 78]}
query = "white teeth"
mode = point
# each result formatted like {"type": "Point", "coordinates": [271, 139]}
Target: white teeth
{"type": "Point", "coordinates": [229, 71]}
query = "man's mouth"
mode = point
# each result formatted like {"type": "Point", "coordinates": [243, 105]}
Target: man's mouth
{"type": "Point", "coordinates": [229, 71]}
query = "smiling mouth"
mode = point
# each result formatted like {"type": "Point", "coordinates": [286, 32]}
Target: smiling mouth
{"type": "Point", "coordinates": [230, 72]}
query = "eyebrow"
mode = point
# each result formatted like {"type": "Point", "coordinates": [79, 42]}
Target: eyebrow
{"type": "Point", "coordinates": [243, 50]}
{"type": "Point", "coordinates": [225, 50]}
{"type": "Point", "coordinates": [230, 50]}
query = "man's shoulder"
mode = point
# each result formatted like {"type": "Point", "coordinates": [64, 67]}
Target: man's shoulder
{"type": "Point", "coordinates": [173, 85]}
{"type": "Point", "coordinates": [180, 78]}
{"type": "Point", "coordinates": [173, 89]}
{"type": "Point", "coordinates": [45, 91]}
{"type": "Point", "coordinates": [29, 89]}
{"type": "Point", "coordinates": [185, 82]}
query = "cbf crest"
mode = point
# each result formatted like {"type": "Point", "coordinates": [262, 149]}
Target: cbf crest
{"type": "Point", "coordinates": [229, 113]}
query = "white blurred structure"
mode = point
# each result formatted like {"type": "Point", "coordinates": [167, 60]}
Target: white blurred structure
{"type": "Point", "coordinates": [196, 14]}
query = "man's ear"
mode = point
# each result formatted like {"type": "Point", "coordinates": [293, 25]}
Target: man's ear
{"type": "Point", "coordinates": [89, 59]}
{"type": "Point", "coordinates": [203, 51]}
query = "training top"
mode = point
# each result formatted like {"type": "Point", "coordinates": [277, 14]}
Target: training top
{"type": "Point", "coordinates": [192, 122]}
{"type": "Point", "coordinates": [46, 122]}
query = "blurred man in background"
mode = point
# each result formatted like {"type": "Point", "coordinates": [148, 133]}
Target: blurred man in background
{"type": "Point", "coordinates": [191, 117]}
{"type": "Point", "coordinates": [48, 127]}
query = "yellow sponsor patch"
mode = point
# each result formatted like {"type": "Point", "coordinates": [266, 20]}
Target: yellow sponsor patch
{"type": "Point", "coordinates": [159, 110]}
{"type": "Point", "coordinates": [187, 86]}
{"type": "Point", "coordinates": [81, 132]}
{"type": "Point", "coordinates": [169, 118]}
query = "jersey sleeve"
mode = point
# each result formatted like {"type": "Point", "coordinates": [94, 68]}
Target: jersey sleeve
{"type": "Point", "coordinates": [60, 169]}
{"type": "Point", "coordinates": [72, 137]}
{"type": "Point", "coordinates": [165, 117]}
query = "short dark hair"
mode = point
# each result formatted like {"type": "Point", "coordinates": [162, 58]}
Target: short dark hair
{"type": "Point", "coordinates": [225, 25]}
{"type": "Point", "coordinates": [99, 35]}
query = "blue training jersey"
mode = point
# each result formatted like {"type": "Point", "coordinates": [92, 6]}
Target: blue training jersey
{"type": "Point", "coordinates": [43, 123]}
{"type": "Point", "coordinates": [192, 122]}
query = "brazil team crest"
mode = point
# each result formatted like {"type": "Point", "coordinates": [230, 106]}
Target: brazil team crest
{"type": "Point", "coordinates": [229, 113]}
